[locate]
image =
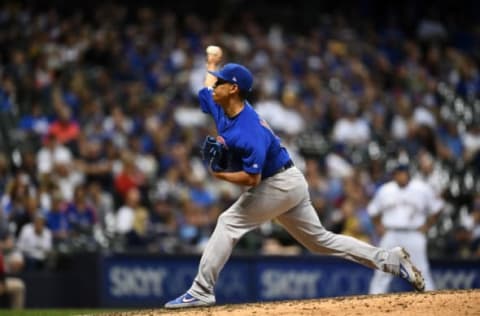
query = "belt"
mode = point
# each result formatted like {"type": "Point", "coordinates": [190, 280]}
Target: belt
{"type": "Point", "coordinates": [401, 229]}
{"type": "Point", "coordinates": [289, 164]}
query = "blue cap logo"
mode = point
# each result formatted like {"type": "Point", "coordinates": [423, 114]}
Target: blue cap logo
{"type": "Point", "coordinates": [236, 74]}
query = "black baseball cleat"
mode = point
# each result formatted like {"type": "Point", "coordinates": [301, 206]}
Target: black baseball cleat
{"type": "Point", "coordinates": [408, 271]}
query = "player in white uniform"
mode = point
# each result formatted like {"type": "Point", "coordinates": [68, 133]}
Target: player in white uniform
{"type": "Point", "coordinates": [403, 210]}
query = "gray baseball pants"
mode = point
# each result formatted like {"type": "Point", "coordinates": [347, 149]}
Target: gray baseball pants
{"type": "Point", "coordinates": [284, 196]}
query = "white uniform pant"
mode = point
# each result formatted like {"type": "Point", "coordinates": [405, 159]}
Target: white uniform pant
{"type": "Point", "coordinates": [415, 243]}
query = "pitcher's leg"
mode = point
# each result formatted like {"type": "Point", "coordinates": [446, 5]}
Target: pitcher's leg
{"type": "Point", "coordinates": [253, 208]}
{"type": "Point", "coordinates": [216, 254]}
{"type": "Point", "coordinates": [303, 224]}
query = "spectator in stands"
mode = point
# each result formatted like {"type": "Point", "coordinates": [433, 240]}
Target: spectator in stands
{"type": "Point", "coordinates": [5, 174]}
{"type": "Point", "coordinates": [282, 118]}
{"type": "Point", "coordinates": [464, 239]}
{"type": "Point", "coordinates": [50, 153]}
{"type": "Point", "coordinates": [46, 190]}
{"type": "Point", "coordinates": [318, 187]}
{"type": "Point", "coordinates": [144, 161]}
{"type": "Point", "coordinates": [11, 286]}
{"type": "Point", "coordinates": [351, 129]}
{"type": "Point", "coordinates": [28, 212]}
{"type": "Point", "coordinates": [276, 241]}
{"type": "Point", "coordinates": [65, 129]}
{"type": "Point", "coordinates": [164, 225]}
{"type": "Point", "coordinates": [97, 161]}
{"type": "Point", "coordinates": [355, 219]}
{"type": "Point", "coordinates": [129, 178]}
{"type": "Point", "coordinates": [351, 222]}
{"type": "Point", "coordinates": [14, 200]}
{"type": "Point", "coordinates": [112, 90]}
{"type": "Point", "coordinates": [104, 209]}
{"type": "Point", "coordinates": [431, 172]}
{"type": "Point", "coordinates": [475, 231]}
{"type": "Point", "coordinates": [80, 214]}
{"type": "Point", "coordinates": [66, 176]}
{"type": "Point", "coordinates": [35, 242]}
{"type": "Point", "coordinates": [402, 122]}
{"type": "Point", "coordinates": [28, 165]}
{"type": "Point", "coordinates": [118, 126]}
{"type": "Point", "coordinates": [57, 220]}
{"type": "Point", "coordinates": [450, 143]}
{"type": "Point", "coordinates": [194, 224]}
{"type": "Point", "coordinates": [471, 141]}
{"type": "Point", "coordinates": [35, 122]}
{"type": "Point", "coordinates": [132, 220]}
{"type": "Point", "coordinates": [11, 263]}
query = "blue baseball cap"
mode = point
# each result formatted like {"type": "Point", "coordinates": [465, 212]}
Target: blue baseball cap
{"type": "Point", "coordinates": [400, 167]}
{"type": "Point", "coordinates": [237, 74]}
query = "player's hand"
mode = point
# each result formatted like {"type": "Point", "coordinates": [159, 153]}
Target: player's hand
{"type": "Point", "coordinates": [213, 153]}
{"type": "Point", "coordinates": [216, 174]}
{"type": "Point", "coordinates": [214, 55]}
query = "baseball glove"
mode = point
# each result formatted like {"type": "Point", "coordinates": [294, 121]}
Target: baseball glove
{"type": "Point", "coordinates": [213, 154]}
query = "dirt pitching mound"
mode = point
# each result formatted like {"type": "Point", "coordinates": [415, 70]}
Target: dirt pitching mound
{"type": "Point", "coordinates": [437, 303]}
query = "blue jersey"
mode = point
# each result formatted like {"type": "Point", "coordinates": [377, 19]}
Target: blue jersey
{"type": "Point", "coordinates": [247, 137]}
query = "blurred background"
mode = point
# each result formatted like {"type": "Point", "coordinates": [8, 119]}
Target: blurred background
{"type": "Point", "coordinates": [100, 131]}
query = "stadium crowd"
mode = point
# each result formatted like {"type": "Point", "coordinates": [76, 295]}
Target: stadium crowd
{"type": "Point", "coordinates": [100, 124]}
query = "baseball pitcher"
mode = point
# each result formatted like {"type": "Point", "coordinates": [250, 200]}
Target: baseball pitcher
{"type": "Point", "coordinates": [248, 153]}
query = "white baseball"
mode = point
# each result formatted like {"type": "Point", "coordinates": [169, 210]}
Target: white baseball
{"type": "Point", "coordinates": [214, 50]}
